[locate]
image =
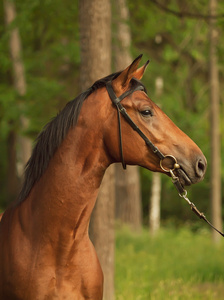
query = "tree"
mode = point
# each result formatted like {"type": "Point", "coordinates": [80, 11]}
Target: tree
{"type": "Point", "coordinates": [128, 194]}
{"type": "Point", "coordinates": [95, 38]}
{"type": "Point", "coordinates": [215, 124]}
{"type": "Point", "coordinates": [154, 212]}
{"type": "Point", "coordinates": [182, 59]}
{"type": "Point", "coordinates": [20, 86]}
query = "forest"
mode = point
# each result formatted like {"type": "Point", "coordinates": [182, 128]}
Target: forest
{"type": "Point", "coordinates": [44, 63]}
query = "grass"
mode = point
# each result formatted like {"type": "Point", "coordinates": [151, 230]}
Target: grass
{"type": "Point", "coordinates": [175, 265]}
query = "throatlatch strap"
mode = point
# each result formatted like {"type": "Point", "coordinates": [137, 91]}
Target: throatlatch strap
{"type": "Point", "coordinates": [120, 134]}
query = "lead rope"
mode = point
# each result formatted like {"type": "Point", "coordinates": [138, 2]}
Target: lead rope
{"type": "Point", "coordinates": [183, 193]}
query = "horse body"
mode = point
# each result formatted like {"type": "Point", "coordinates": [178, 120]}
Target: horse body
{"type": "Point", "coordinates": [48, 233]}
{"type": "Point", "coordinates": [45, 250]}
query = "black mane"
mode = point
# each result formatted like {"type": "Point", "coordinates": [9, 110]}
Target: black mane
{"type": "Point", "coordinates": [52, 136]}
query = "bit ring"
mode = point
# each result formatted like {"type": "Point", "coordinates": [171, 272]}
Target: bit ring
{"type": "Point", "coordinates": [175, 166]}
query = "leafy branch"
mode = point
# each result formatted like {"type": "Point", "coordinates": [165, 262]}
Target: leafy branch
{"type": "Point", "coordinates": [185, 14]}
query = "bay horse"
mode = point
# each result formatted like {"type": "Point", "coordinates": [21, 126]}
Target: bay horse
{"type": "Point", "coordinates": [45, 250]}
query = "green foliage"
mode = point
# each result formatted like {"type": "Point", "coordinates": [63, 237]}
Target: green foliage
{"type": "Point", "coordinates": [50, 54]}
{"type": "Point", "coordinates": [49, 38]}
{"type": "Point", "coordinates": [178, 49]}
{"type": "Point", "coordinates": [175, 264]}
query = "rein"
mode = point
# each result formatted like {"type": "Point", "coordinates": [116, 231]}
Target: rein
{"type": "Point", "coordinates": [175, 180]}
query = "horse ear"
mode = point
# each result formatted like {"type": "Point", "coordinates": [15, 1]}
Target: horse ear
{"type": "Point", "coordinates": [122, 81]}
{"type": "Point", "coordinates": [140, 71]}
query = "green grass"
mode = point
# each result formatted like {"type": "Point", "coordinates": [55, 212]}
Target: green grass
{"type": "Point", "coordinates": [176, 264]}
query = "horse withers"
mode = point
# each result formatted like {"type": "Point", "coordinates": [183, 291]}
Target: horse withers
{"type": "Point", "coordinates": [45, 250]}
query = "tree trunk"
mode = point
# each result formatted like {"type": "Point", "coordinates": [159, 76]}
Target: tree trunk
{"type": "Point", "coordinates": [95, 37]}
{"type": "Point", "coordinates": [127, 183]}
{"type": "Point", "coordinates": [215, 126]}
{"type": "Point", "coordinates": [155, 200]}
{"type": "Point", "coordinates": [102, 231]}
{"type": "Point", "coordinates": [154, 212]}
{"type": "Point", "coordinates": [128, 196]}
{"type": "Point", "coordinates": [25, 144]}
{"type": "Point", "coordinates": [123, 35]}
{"type": "Point", "coordinates": [12, 184]}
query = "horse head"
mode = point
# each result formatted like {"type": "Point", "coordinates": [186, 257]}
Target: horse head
{"type": "Point", "coordinates": [155, 138]}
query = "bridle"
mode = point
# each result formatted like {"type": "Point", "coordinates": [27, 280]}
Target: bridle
{"type": "Point", "coordinates": [138, 86]}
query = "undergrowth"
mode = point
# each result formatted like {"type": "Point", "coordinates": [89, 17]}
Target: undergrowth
{"type": "Point", "coordinates": [174, 264]}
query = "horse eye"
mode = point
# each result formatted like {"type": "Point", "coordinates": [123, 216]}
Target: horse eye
{"type": "Point", "coordinates": [147, 113]}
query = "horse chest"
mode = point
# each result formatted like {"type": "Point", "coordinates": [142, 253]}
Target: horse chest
{"type": "Point", "coordinates": [51, 276]}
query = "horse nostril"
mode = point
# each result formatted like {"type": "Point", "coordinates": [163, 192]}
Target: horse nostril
{"type": "Point", "coordinates": [200, 167]}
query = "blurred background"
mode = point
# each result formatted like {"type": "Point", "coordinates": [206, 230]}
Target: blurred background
{"type": "Point", "coordinates": [50, 51]}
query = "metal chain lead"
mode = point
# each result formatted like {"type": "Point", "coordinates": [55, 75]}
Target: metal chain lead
{"type": "Point", "coordinates": [183, 192]}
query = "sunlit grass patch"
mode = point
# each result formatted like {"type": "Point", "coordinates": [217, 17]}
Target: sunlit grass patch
{"type": "Point", "coordinates": [176, 264]}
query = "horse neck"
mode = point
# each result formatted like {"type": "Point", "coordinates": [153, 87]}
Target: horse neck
{"type": "Point", "coordinates": [63, 198]}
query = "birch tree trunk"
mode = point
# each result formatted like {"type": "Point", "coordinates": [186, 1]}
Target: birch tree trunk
{"type": "Point", "coordinates": [95, 36]}
{"type": "Point", "coordinates": [215, 124]}
{"type": "Point", "coordinates": [154, 211]}
{"type": "Point", "coordinates": [155, 200]}
{"type": "Point", "coordinates": [12, 184]}
{"type": "Point", "coordinates": [25, 145]}
{"type": "Point", "coordinates": [127, 183]}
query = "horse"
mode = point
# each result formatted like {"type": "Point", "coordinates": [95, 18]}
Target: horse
{"type": "Point", "coordinates": [45, 250]}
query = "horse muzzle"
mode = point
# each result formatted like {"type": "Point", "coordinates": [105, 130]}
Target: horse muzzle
{"type": "Point", "coordinates": [191, 174]}
{"type": "Point", "coordinates": [188, 173]}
